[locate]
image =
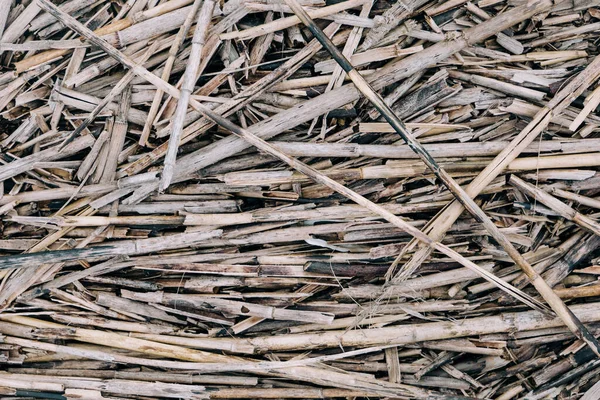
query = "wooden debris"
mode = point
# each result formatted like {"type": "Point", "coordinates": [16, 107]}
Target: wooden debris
{"type": "Point", "coordinates": [265, 199]}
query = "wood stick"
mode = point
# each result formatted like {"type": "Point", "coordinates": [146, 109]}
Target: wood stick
{"type": "Point", "coordinates": [592, 103]}
{"type": "Point", "coordinates": [402, 169]}
{"type": "Point", "coordinates": [445, 150]}
{"type": "Point", "coordinates": [561, 208]}
{"type": "Point", "coordinates": [292, 293]}
{"type": "Point", "coordinates": [239, 100]}
{"type": "Point", "coordinates": [115, 91]}
{"type": "Point", "coordinates": [173, 50]}
{"type": "Point", "coordinates": [348, 93]}
{"type": "Point", "coordinates": [498, 85]}
{"type": "Point", "coordinates": [525, 138]}
{"type": "Point", "coordinates": [4, 11]}
{"type": "Point", "coordinates": [189, 79]}
{"type": "Point", "coordinates": [402, 334]}
{"type": "Point", "coordinates": [334, 185]}
{"type": "Point", "coordinates": [583, 200]}
{"type": "Point", "coordinates": [131, 247]}
{"type": "Point", "coordinates": [391, 18]}
{"type": "Point", "coordinates": [194, 359]}
{"type": "Point", "coordinates": [164, 8]}
{"type": "Point", "coordinates": [287, 22]}
{"type": "Point", "coordinates": [21, 23]}
{"type": "Point", "coordinates": [320, 178]}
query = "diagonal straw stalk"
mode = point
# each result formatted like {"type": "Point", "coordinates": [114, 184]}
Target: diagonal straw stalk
{"type": "Point", "coordinates": [173, 50]}
{"type": "Point", "coordinates": [290, 118]}
{"type": "Point", "coordinates": [114, 92]}
{"type": "Point", "coordinates": [363, 86]}
{"type": "Point", "coordinates": [294, 163]}
{"type": "Point", "coordinates": [553, 203]}
{"type": "Point", "coordinates": [363, 201]}
{"type": "Point", "coordinates": [187, 86]}
{"type": "Point", "coordinates": [444, 220]}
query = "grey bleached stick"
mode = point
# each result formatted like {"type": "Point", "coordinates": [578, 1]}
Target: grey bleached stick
{"type": "Point", "coordinates": [468, 149]}
{"type": "Point", "coordinates": [420, 332]}
{"type": "Point", "coordinates": [111, 265]}
{"type": "Point", "coordinates": [21, 23]}
{"type": "Point", "coordinates": [337, 76]}
{"type": "Point", "coordinates": [187, 86]}
{"type": "Point", "coordinates": [391, 18]}
{"type": "Point", "coordinates": [43, 20]}
{"type": "Point", "coordinates": [125, 247]}
{"type": "Point", "coordinates": [510, 44]}
{"type": "Point", "coordinates": [117, 138]}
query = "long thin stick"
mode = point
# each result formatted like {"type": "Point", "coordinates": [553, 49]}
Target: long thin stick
{"type": "Point", "coordinates": [189, 79]}
{"type": "Point", "coordinates": [115, 91]}
{"type": "Point", "coordinates": [177, 42]}
{"type": "Point", "coordinates": [4, 11]}
{"type": "Point", "coordinates": [361, 84]}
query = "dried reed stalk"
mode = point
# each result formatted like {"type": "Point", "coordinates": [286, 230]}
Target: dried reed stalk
{"type": "Point", "coordinates": [189, 79]}
{"type": "Point", "coordinates": [542, 287]}
{"type": "Point", "coordinates": [260, 259]}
